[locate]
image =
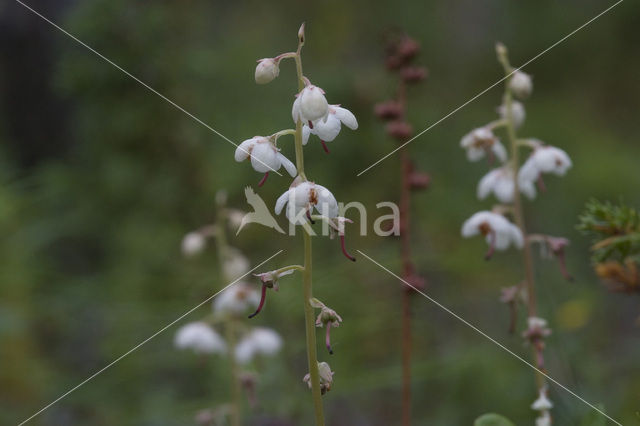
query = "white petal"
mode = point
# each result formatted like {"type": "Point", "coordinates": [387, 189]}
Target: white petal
{"type": "Point", "coordinates": [295, 110]}
{"type": "Point", "coordinates": [281, 201]}
{"type": "Point", "coordinates": [327, 130]}
{"type": "Point", "coordinates": [528, 172]}
{"type": "Point", "coordinates": [264, 157]}
{"type": "Point", "coordinates": [347, 117]}
{"type": "Point", "coordinates": [244, 149]}
{"type": "Point", "coordinates": [528, 188]}
{"type": "Point", "coordinates": [499, 151]}
{"type": "Point", "coordinates": [327, 204]}
{"type": "Point", "coordinates": [306, 131]}
{"type": "Point", "coordinates": [487, 183]}
{"type": "Point", "coordinates": [516, 236]}
{"type": "Point", "coordinates": [313, 104]}
{"type": "Point", "coordinates": [504, 188]}
{"type": "Point", "coordinates": [288, 165]}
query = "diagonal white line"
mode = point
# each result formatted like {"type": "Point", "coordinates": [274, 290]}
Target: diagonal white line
{"type": "Point", "coordinates": [491, 87]}
{"type": "Point", "coordinates": [500, 345]}
{"type": "Point", "coordinates": [94, 375]}
{"type": "Point", "coordinates": [145, 85]}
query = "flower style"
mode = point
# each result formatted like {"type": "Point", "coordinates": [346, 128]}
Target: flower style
{"type": "Point", "coordinates": [518, 113]}
{"type": "Point", "coordinates": [498, 231]}
{"type": "Point", "coordinates": [236, 299]}
{"type": "Point", "coordinates": [327, 130]}
{"type": "Point", "coordinates": [201, 338]}
{"type": "Point", "coordinates": [310, 105]}
{"type": "Point", "coordinates": [259, 341]}
{"type": "Point", "coordinates": [264, 155]}
{"type": "Point", "coordinates": [520, 84]}
{"type": "Point", "coordinates": [500, 182]}
{"type": "Point", "coordinates": [302, 198]}
{"type": "Point", "coordinates": [482, 141]}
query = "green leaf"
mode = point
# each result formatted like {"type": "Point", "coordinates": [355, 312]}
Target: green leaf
{"type": "Point", "coordinates": [492, 419]}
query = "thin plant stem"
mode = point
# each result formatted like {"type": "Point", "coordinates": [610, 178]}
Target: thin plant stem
{"type": "Point", "coordinates": [310, 325]}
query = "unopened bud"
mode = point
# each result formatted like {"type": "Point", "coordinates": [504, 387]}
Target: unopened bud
{"type": "Point", "coordinates": [501, 50]}
{"type": "Point", "coordinates": [413, 74]}
{"type": "Point", "coordinates": [267, 70]}
{"type": "Point", "coordinates": [400, 130]}
{"type": "Point", "coordinates": [521, 84]}
{"type": "Point", "coordinates": [388, 110]}
{"type": "Point", "coordinates": [301, 34]}
{"type": "Point", "coordinates": [419, 180]}
{"type": "Point", "coordinates": [408, 48]}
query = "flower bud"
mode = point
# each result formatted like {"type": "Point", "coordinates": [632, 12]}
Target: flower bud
{"type": "Point", "coordinates": [407, 48]}
{"type": "Point", "coordinates": [520, 84]}
{"type": "Point", "coordinates": [388, 110]}
{"type": "Point", "coordinates": [266, 70]}
{"type": "Point", "coordinates": [419, 180]}
{"type": "Point", "coordinates": [400, 130]}
{"type": "Point", "coordinates": [413, 74]}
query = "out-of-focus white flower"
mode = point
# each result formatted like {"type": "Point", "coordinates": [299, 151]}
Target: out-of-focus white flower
{"type": "Point", "coordinates": [542, 403]}
{"type": "Point", "coordinates": [310, 105]}
{"type": "Point", "coordinates": [481, 141]}
{"type": "Point", "coordinates": [498, 231]}
{"type": "Point", "coordinates": [518, 113]}
{"type": "Point", "coordinates": [327, 130]}
{"type": "Point", "coordinates": [267, 70]}
{"type": "Point", "coordinates": [199, 337]}
{"type": "Point", "coordinates": [264, 155]}
{"type": "Point", "coordinates": [259, 341]}
{"type": "Point", "coordinates": [237, 299]}
{"type": "Point", "coordinates": [545, 159]}
{"type": "Point", "coordinates": [536, 328]}
{"type": "Point", "coordinates": [544, 419]}
{"type": "Point", "coordinates": [234, 264]}
{"type": "Point", "coordinates": [521, 84]}
{"type": "Point", "coordinates": [303, 198]}
{"type": "Point", "coordinates": [500, 181]}
{"type": "Point", "coordinates": [193, 243]}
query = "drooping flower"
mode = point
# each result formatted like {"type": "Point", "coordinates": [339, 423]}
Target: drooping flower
{"type": "Point", "coordinates": [193, 243]}
{"type": "Point", "coordinates": [327, 130]}
{"type": "Point", "coordinates": [234, 264]}
{"type": "Point", "coordinates": [259, 341]}
{"type": "Point", "coordinates": [310, 105]}
{"type": "Point", "coordinates": [329, 318]}
{"type": "Point", "coordinates": [498, 231]}
{"type": "Point", "coordinates": [542, 403]}
{"type": "Point", "coordinates": [236, 299]}
{"type": "Point", "coordinates": [326, 377]}
{"type": "Point", "coordinates": [267, 70]}
{"type": "Point", "coordinates": [302, 198]}
{"type": "Point", "coordinates": [544, 419]}
{"type": "Point", "coordinates": [500, 181]}
{"type": "Point", "coordinates": [546, 159]}
{"type": "Point", "coordinates": [200, 338]}
{"type": "Point", "coordinates": [482, 141]}
{"type": "Point", "coordinates": [520, 84]}
{"type": "Point", "coordinates": [518, 113]}
{"type": "Point", "coordinates": [264, 155]}
{"type": "Point", "coordinates": [536, 329]}
{"type": "Point", "coordinates": [269, 280]}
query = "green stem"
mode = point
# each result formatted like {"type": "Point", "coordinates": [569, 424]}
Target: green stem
{"type": "Point", "coordinates": [309, 319]}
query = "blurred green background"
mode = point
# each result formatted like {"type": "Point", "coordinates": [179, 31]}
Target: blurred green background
{"type": "Point", "coordinates": [101, 179]}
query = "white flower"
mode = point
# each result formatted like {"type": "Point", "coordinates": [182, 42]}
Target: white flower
{"type": "Point", "coordinates": [237, 299]}
{"type": "Point", "coordinates": [498, 231]}
{"type": "Point", "coordinates": [481, 141]}
{"type": "Point", "coordinates": [193, 243]}
{"type": "Point", "coordinates": [536, 323]}
{"type": "Point", "coordinates": [259, 341]}
{"type": "Point", "coordinates": [310, 105]}
{"type": "Point", "coordinates": [266, 70]}
{"type": "Point", "coordinates": [199, 337]}
{"type": "Point", "coordinates": [234, 264]}
{"type": "Point", "coordinates": [544, 419]}
{"type": "Point", "coordinates": [542, 403]}
{"type": "Point", "coordinates": [518, 113]}
{"type": "Point", "coordinates": [545, 159]}
{"type": "Point", "coordinates": [264, 155]}
{"type": "Point", "coordinates": [270, 279]}
{"type": "Point", "coordinates": [327, 130]}
{"type": "Point", "coordinates": [303, 198]}
{"type": "Point", "coordinates": [521, 84]}
{"type": "Point", "coordinates": [500, 182]}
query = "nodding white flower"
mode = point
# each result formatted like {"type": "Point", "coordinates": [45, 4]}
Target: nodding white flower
{"type": "Point", "coordinates": [237, 299]}
{"type": "Point", "coordinates": [482, 141]}
{"type": "Point", "coordinates": [500, 182]}
{"type": "Point", "coordinates": [518, 113]}
{"type": "Point", "coordinates": [267, 70]}
{"type": "Point", "coordinates": [326, 377]}
{"type": "Point", "coordinates": [520, 84]}
{"type": "Point", "coordinates": [303, 198]}
{"type": "Point", "coordinates": [199, 337]}
{"type": "Point", "coordinates": [310, 105]}
{"type": "Point", "coordinates": [542, 403]}
{"type": "Point", "coordinates": [498, 231]}
{"type": "Point", "coordinates": [329, 318]}
{"type": "Point", "coordinates": [264, 155]}
{"type": "Point", "coordinates": [545, 159]}
{"type": "Point", "coordinates": [193, 243]}
{"type": "Point", "coordinates": [544, 419]}
{"type": "Point", "coordinates": [234, 264]}
{"type": "Point", "coordinates": [327, 130]}
{"type": "Point", "coordinates": [269, 280]}
{"type": "Point", "coordinates": [259, 341]}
